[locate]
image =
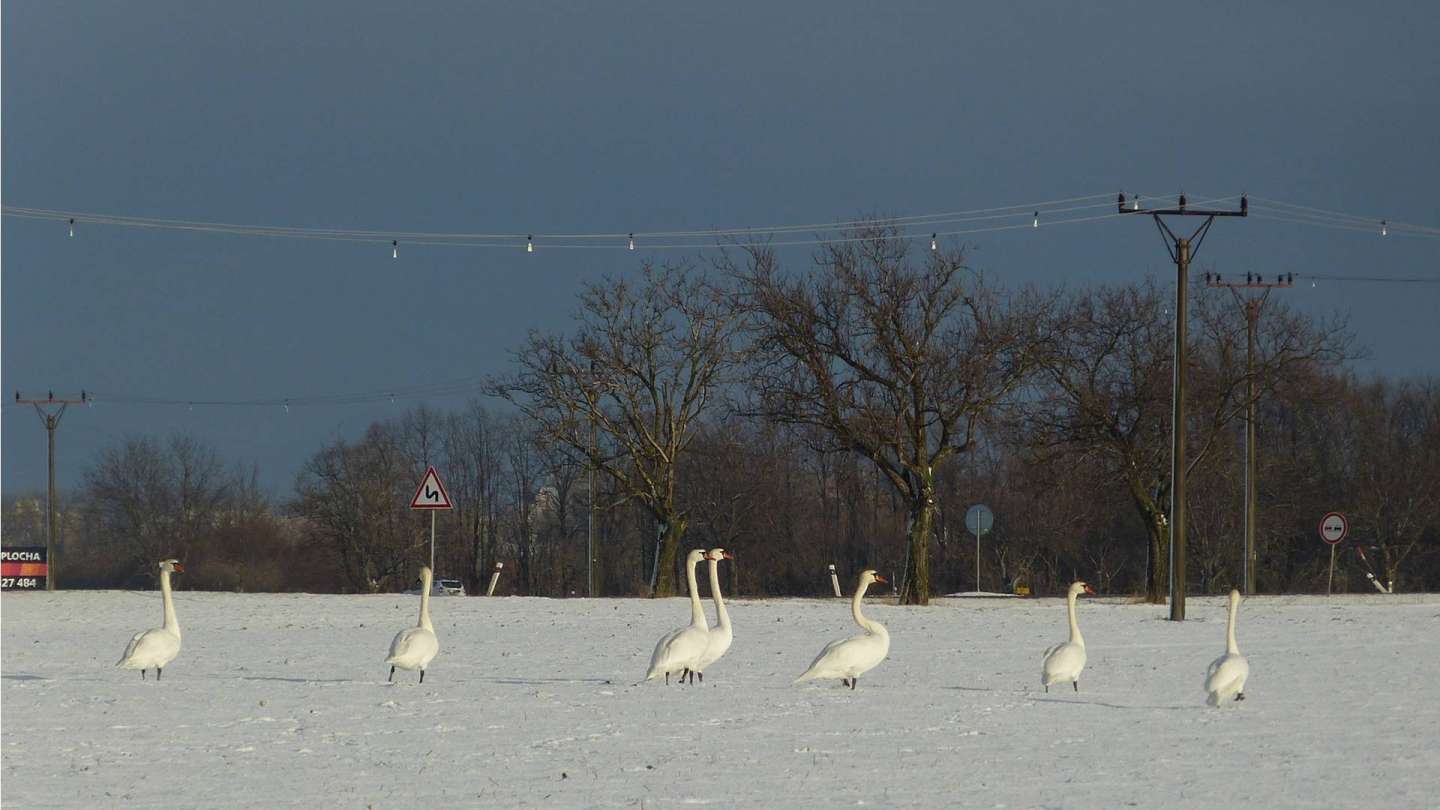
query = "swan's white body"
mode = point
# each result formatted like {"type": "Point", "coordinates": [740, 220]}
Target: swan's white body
{"type": "Point", "coordinates": [719, 637]}
{"type": "Point", "coordinates": [158, 646]}
{"type": "Point", "coordinates": [415, 647]}
{"type": "Point", "coordinates": [679, 650]}
{"type": "Point", "coordinates": [1064, 662]}
{"type": "Point", "coordinates": [1225, 679]}
{"type": "Point", "coordinates": [852, 657]}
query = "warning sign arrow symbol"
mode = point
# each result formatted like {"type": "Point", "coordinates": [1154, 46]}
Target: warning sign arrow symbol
{"type": "Point", "coordinates": [431, 493]}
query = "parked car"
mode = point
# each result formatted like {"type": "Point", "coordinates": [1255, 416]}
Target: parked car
{"type": "Point", "coordinates": [441, 587]}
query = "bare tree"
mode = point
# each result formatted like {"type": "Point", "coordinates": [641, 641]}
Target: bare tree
{"type": "Point", "coordinates": [470, 441]}
{"type": "Point", "coordinates": [1107, 389]}
{"type": "Point", "coordinates": [640, 370]}
{"type": "Point", "coordinates": [891, 359]}
{"type": "Point", "coordinates": [354, 498]}
{"type": "Point", "coordinates": [149, 500]}
{"type": "Point", "coordinates": [1395, 468]}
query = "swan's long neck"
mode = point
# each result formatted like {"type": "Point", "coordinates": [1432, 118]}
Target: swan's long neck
{"type": "Point", "coordinates": [425, 601]}
{"type": "Point", "coordinates": [1075, 637]}
{"type": "Point", "coordinates": [1230, 646]}
{"type": "Point", "coordinates": [171, 623]}
{"type": "Point", "coordinates": [874, 628]}
{"type": "Point", "coordinates": [697, 611]}
{"type": "Point", "coordinates": [720, 615]}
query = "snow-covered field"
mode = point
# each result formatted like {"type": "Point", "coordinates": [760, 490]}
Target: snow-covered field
{"type": "Point", "coordinates": [281, 700]}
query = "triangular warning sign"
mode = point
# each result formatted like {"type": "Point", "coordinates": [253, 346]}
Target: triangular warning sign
{"type": "Point", "coordinates": [431, 494]}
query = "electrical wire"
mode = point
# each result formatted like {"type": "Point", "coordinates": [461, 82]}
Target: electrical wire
{"type": "Point", "coordinates": [1024, 213]}
{"type": "Point", "coordinates": [1368, 222]}
{"type": "Point", "coordinates": [1375, 279]}
{"type": "Point", "coordinates": [1059, 211]}
{"type": "Point", "coordinates": [365, 234]}
{"type": "Point", "coordinates": [469, 385]}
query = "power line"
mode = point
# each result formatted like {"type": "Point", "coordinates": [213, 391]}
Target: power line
{"type": "Point", "coordinates": [1029, 214]}
{"type": "Point", "coordinates": [1366, 221]}
{"type": "Point", "coordinates": [1096, 201]}
{"type": "Point", "coordinates": [1376, 279]}
{"type": "Point", "coordinates": [468, 385]}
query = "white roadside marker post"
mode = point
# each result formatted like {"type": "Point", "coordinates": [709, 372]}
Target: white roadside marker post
{"type": "Point", "coordinates": [494, 578]}
{"type": "Point", "coordinates": [835, 582]}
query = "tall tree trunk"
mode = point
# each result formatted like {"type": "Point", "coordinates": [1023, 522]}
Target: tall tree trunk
{"type": "Point", "coordinates": [669, 552]}
{"type": "Point", "coordinates": [1157, 570]}
{"type": "Point", "coordinates": [1157, 530]}
{"type": "Point", "coordinates": [916, 590]}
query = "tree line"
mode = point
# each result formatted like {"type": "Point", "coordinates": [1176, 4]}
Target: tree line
{"type": "Point", "coordinates": [845, 412]}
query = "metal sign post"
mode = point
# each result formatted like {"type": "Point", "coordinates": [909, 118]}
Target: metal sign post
{"type": "Point", "coordinates": [1333, 528]}
{"type": "Point", "coordinates": [835, 581]}
{"type": "Point", "coordinates": [978, 519]}
{"type": "Point", "coordinates": [432, 496]}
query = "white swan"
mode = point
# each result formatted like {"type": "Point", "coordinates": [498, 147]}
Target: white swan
{"type": "Point", "coordinates": [414, 647]}
{"type": "Point", "coordinates": [719, 637]}
{"type": "Point", "coordinates": [678, 650]}
{"type": "Point", "coordinates": [1226, 676]}
{"type": "Point", "coordinates": [1064, 662]}
{"type": "Point", "coordinates": [848, 659]}
{"type": "Point", "coordinates": [157, 646]}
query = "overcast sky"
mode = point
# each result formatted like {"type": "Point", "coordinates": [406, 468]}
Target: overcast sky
{"type": "Point", "coordinates": [619, 117]}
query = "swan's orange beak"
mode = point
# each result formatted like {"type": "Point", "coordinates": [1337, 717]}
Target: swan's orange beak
{"type": "Point", "coordinates": [727, 555]}
{"type": "Point", "coordinates": [881, 580]}
{"type": "Point", "coordinates": [1089, 590]}
{"type": "Point", "coordinates": [179, 568]}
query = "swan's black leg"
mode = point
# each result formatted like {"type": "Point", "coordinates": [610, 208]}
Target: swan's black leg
{"type": "Point", "coordinates": [844, 681]}
{"type": "Point", "coordinates": [1047, 688]}
{"type": "Point", "coordinates": [853, 682]}
{"type": "Point", "coordinates": [158, 670]}
{"type": "Point", "coordinates": [142, 674]}
{"type": "Point", "coordinates": [1239, 695]}
{"type": "Point", "coordinates": [1076, 684]}
{"type": "Point", "coordinates": [422, 676]}
{"type": "Point", "coordinates": [667, 679]}
{"type": "Point", "coordinates": [392, 675]}
{"type": "Point", "coordinates": [702, 677]}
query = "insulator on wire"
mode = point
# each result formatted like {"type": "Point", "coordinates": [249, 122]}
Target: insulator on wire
{"type": "Point", "coordinates": [72, 227]}
{"type": "Point", "coordinates": [1384, 231]}
{"type": "Point", "coordinates": [632, 241]}
{"type": "Point", "coordinates": [934, 245]}
{"type": "Point", "coordinates": [530, 243]}
{"type": "Point", "coordinates": [394, 248]}
{"type": "Point", "coordinates": [1135, 206]}
{"type": "Point", "coordinates": [1035, 223]}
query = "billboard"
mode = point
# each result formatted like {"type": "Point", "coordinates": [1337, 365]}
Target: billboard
{"type": "Point", "coordinates": [23, 568]}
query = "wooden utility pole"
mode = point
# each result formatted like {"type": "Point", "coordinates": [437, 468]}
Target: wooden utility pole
{"type": "Point", "coordinates": [52, 421]}
{"type": "Point", "coordinates": [1182, 250]}
{"type": "Point", "coordinates": [1253, 306]}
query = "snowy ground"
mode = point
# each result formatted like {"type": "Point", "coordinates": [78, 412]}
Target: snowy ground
{"type": "Point", "coordinates": [281, 700]}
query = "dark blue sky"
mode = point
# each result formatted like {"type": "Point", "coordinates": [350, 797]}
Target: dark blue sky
{"type": "Point", "coordinates": [621, 117]}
